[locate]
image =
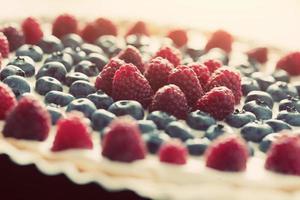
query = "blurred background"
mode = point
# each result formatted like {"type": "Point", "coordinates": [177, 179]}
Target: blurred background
{"type": "Point", "coordinates": [275, 22]}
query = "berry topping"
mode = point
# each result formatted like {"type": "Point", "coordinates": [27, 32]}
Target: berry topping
{"type": "Point", "coordinates": [4, 46]}
{"type": "Point", "coordinates": [220, 39]}
{"type": "Point", "coordinates": [173, 152]}
{"type": "Point", "coordinates": [139, 28]}
{"type": "Point", "coordinates": [212, 64]}
{"type": "Point", "coordinates": [179, 37]}
{"type": "Point", "coordinates": [14, 36]}
{"type": "Point", "coordinates": [127, 107]}
{"type": "Point", "coordinates": [202, 72]}
{"type": "Point", "coordinates": [171, 54]}
{"type": "Point", "coordinates": [8, 100]}
{"type": "Point", "coordinates": [259, 54]}
{"type": "Point", "coordinates": [132, 55]}
{"type": "Point", "coordinates": [64, 24]}
{"type": "Point", "coordinates": [290, 63]}
{"type": "Point", "coordinates": [32, 30]}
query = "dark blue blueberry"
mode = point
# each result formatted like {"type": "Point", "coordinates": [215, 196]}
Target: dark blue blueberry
{"type": "Point", "coordinates": [147, 126]}
{"type": "Point", "coordinates": [55, 113]}
{"type": "Point", "coordinates": [77, 54]}
{"type": "Point", "coordinates": [62, 57]}
{"type": "Point", "coordinates": [107, 43]}
{"type": "Point", "coordinates": [256, 131]}
{"type": "Point", "coordinates": [154, 141]}
{"type": "Point", "coordinates": [81, 89]}
{"type": "Point", "coordinates": [251, 148]}
{"type": "Point", "coordinates": [278, 125]}
{"type": "Point", "coordinates": [266, 142]}
{"type": "Point", "coordinates": [32, 51]}
{"type": "Point", "coordinates": [54, 69]}
{"type": "Point", "coordinates": [239, 118]}
{"type": "Point", "coordinates": [261, 96]}
{"type": "Point", "coordinates": [91, 48]}
{"type": "Point", "coordinates": [179, 130]}
{"type": "Point", "coordinates": [194, 50]}
{"type": "Point", "coordinates": [215, 131]}
{"type": "Point", "coordinates": [246, 69]}
{"type": "Point", "coordinates": [161, 119]}
{"type": "Point", "coordinates": [197, 147]}
{"type": "Point", "coordinates": [75, 76]}
{"type": "Point", "coordinates": [296, 84]}
{"type": "Point", "coordinates": [99, 60]}
{"type": "Point", "coordinates": [101, 118]}
{"type": "Point", "coordinates": [248, 85]}
{"type": "Point", "coordinates": [10, 70]}
{"type": "Point", "coordinates": [281, 75]}
{"type": "Point", "coordinates": [72, 40]}
{"type": "Point", "coordinates": [100, 99]}
{"type": "Point", "coordinates": [216, 54]}
{"type": "Point", "coordinates": [200, 120]}
{"type": "Point", "coordinates": [58, 98]}
{"type": "Point", "coordinates": [82, 105]}
{"type": "Point", "coordinates": [281, 90]}
{"type": "Point", "coordinates": [86, 67]}
{"type": "Point", "coordinates": [259, 108]}
{"type": "Point", "coordinates": [18, 84]}
{"type": "Point", "coordinates": [186, 60]}
{"type": "Point", "coordinates": [137, 41]}
{"type": "Point", "coordinates": [263, 80]}
{"type": "Point", "coordinates": [46, 83]}
{"type": "Point", "coordinates": [288, 103]}
{"type": "Point", "coordinates": [127, 107]}
{"type": "Point", "coordinates": [290, 116]}
{"type": "Point", "coordinates": [25, 63]}
{"type": "Point", "coordinates": [50, 44]}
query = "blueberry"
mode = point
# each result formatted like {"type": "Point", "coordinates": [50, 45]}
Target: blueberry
{"type": "Point", "coordinates": [147, 126]}
{"type": "Point", "coordinates": [161, 119]}
{"type": "Point", "coordinates": [77, 54]}
{"type": "Point", "coordinates": [72, 40]}
{"type": "Point", "coordinates": [98, 59]}
{"type": "Point", "coordinates": [25, 63]}
{"type": "Point", "coordinates": [288, 103]}
{"type": "Point", "coordinates": [138, 40]}
{"type": "Point", "coordinates": [82, 105]}
{"type": "Point", "coordinates": [251, 148]}
{"type": "Point", "coordinates": [50, 44]}
{"type": "Point", "coordinates": [246, 69]}
{"type": "Point", "coordinates": [239, 118]}
{"type": "Point", "coordinates": [62, 57]}
{"type": "Point", "coordinates": [215, 131]}
{"type": "Point", "coordinates": [216, 54]}
{"type": "Point", "coordinates": [297, 85]}
{"type": "Point", "coordinates": [261, 96]}
{"type": "Point", "coordinates": [100, 99]}
{"type": "Point", "coordinates": [154, 141]}
{"type": "Point", "coordinates": [91, 48]}
{"type": "Point", "coordinates": [197, 147]}
{"type": "Point", "coordinates": [281, 90]}
{"type": "Point", "coordinates": [18, 84]}
{"type": "Point", "coordinates": [54, 69]}
{"type": "Point", "coordinates": [186, 60]}
{"type": "Point", "coordinates": [194, 50]}
{"type": "Point", "coordinates": [263, 80]}
{"type": "Point", "coordinates": [281, 75]}
{"type": "Point", "coordinates": [259, 108]}
{"type": "Point", "coordinates": [46, 84]}
{"type": "Point", "coordinates": [81, 89]}
{"type": "Point", "coordinates": [58, 98]}
{"type": "Point", "coordinates": [32, 51]}
{"type": "Point", "coordinates": [86, 67]}
{"type": "Point", "coordinates": [108, 43]}
{"type": "Point", "coordinates": [10, 70]}
{"type": "Point", "coordinates": [290, 116]}
{"type": "Point", "coordinates": [127, 107]}
{"type": "Point", "coordinates": [179, 130]}
{"type": "Point", "coordinates": [278, 125]}
{"type": "Point", "coordinates": [75, 76]}
{"type": "Point", "coordinates": [199, 120]}
{"type": "Point", "coordinates": [266, 142]}
{"type": "Point", "coordinates": [101, 118]}
{"type": "Point", "coordinates": [55, 114]}
{"type": "Point", "coordinates": [248, 85]}
{"type": "Point", "coordinates": [256, 131]}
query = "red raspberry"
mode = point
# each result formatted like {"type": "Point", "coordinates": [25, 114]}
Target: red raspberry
{"type": "Point", "coordinates": [99, 27]}
{"type": "Point", "coordinates": [32, 30]}
{"type": "Point", "coordinates": [170, 99]}
{"type": "Point", "coordinates": [105, 77]}
{"type": "Point", "coordinates": [72, 133]}
{"type": "Point", "coordinates": [130, 84]}
{"type": "Point", "coordinates": [218, 102]}
{"type": "Point", "coordinates": [212, 65]}
{"type": "Point", "coordinates": [139, 28]}
{"type": "Point", "coordinates": [171, 54]}
{"type": "Point", "coordinates": [29, 120]}
{"type": "Point", "coordinates": [283, 156]}
{"type": "Point", "coordinates": [122, 141]}
{"type": "Point", "coordinates": [4, 46]}
{"type": "Point", "coordinates": [186, 79]}
{"type": "Point", "coordinates": [132, 55]}
{"type": "Point", "coordinates": [14, 36]}
{"type": "Point", "coordinates": [64, 24]}
{"type": "Point", "coordinates": [258, 54]}
{"type": "Point", "coordinates": [227, 154]}
{"type": "Point", "coordinates": [173, 152]}
{"type": "Point", "coordinates": [229, 78]}
{"type": "Point", "coordinates": [158, 71]}
{"type": "Point", "coordinates": [220, 39]}
{"type": "Point", "coordinates": [8, 100]}
{"type": "Point", "coordinates": [178, 36]}
{"type": "Point", "coordinates": [201, 72]}
{"type": "Point", "coordinates": [290, 63]}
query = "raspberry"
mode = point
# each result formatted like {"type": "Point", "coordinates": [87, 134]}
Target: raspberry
{"type": "Point", "coordinates": [290, 63]}
{"type": "Point", "coordinates": [132, 55]}
{"type": "Point", "coordinates": [173, 152]}
{"type": "Point", "coordinates": [8, 100]}
{"type": "Point", "coordinates": [219, 39]}
{"type": "Point", "coordinates": [29, 120]}
{"type": "Point", "coordinates": [212, 65]}
{"type": "Point", "coordinates": [258, 54]}
{"type": "Point", "coordinates": [4, 46]}
{"type": "Point", "coordinates": [122, 141]}
{"type": "Point", "coordinates": [229, 78]}
{"type": "Point", "coordinates": [139, 28]}
{"type": "Point", "coordinates": [170, 99]}
{"type": "Point", "coordinates": [32, 30]}
{"type": "Point", "coordinates": [178, 36]}
{"type": "Point", "coordinates": [218, 102]}
{"type": "Point", "coordinates": [169, 53]}
{"type": "Point", "coordinates": [64, 24]}
{"type": "Point", "coordinates": [201, 72]}
{"type": "Point", "coordinates": [14, 36]}
{"type": "Point", "coordinates": [186, 79]}
{"type": "Point", "coordinates": [72, 133]}
{"type": "Point", "coordinates": [105, 77]}
{"type": "Point", "coordinates": [130, 84]}
{"type": "Point", "coordinates": [99, 27]}
{"type": "Point", "coordinates": [227, 154]}
{"type": "Point", "coordinates": [158, 71]}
